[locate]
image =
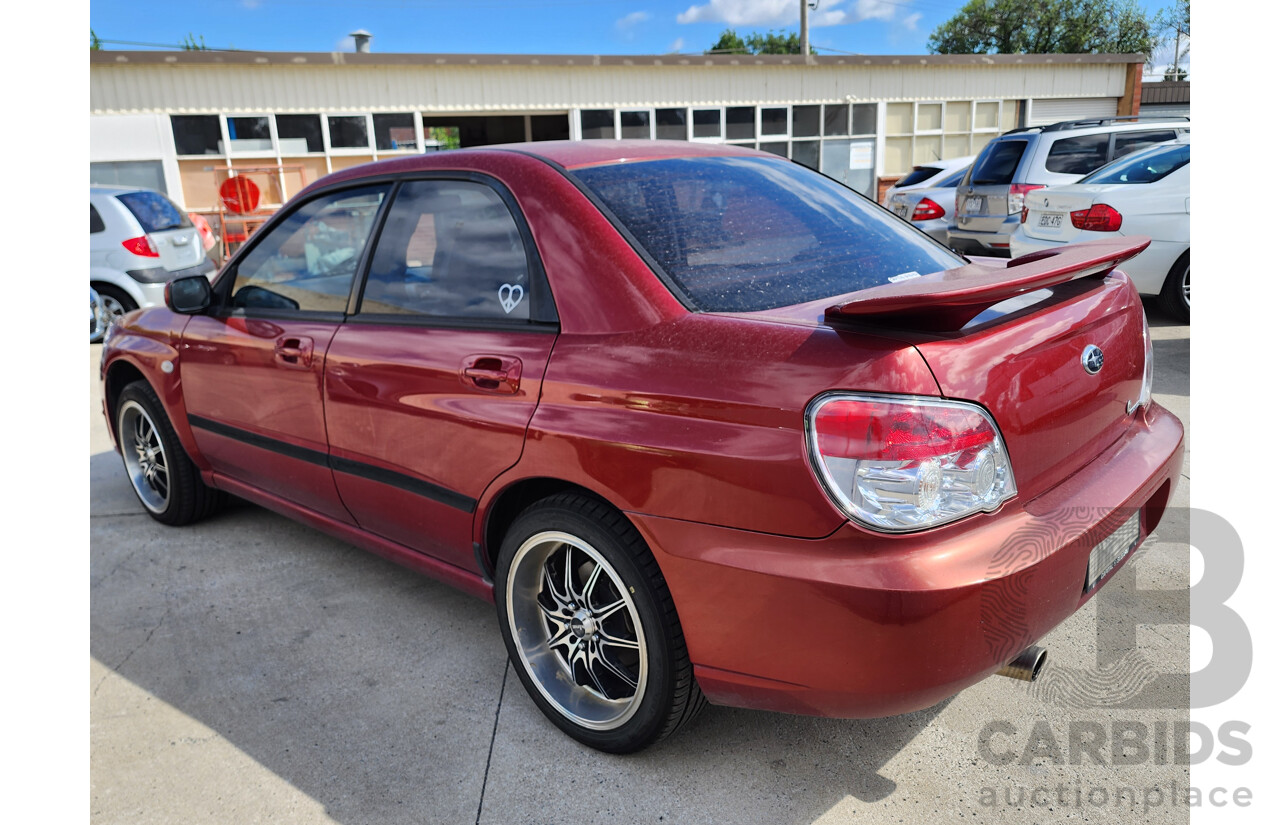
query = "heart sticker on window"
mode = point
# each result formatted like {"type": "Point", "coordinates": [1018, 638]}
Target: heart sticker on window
{"type": "Point", "coordinates": [510, 296]}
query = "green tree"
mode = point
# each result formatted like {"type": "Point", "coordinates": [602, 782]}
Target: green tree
{"type": "Point", "coordinates": [189, 44]}
{"type": "Point", "coordinates": [756, 43]}
{"type": "Point", "coordinates": [95, 42]}
{"type": "Point", "coordinates": [1046, 27]}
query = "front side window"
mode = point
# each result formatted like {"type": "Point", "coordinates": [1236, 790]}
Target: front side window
{"type": "Point", "coordinates": [95, 221]}
{"type": "Point", "coordinates": [449, 249]}
{"type": "Point", "coordinates": [744, 234]}
{"type": "Point", "coordinates": [1127, 142]}
{"type": "Point", "coordinates": [308, 261]}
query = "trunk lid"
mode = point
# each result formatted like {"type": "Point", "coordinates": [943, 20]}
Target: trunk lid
{"type": "Point", "coordinates": [178, 248]}
{"type": "Point", "coordinates": [982, 198]}
{"type": "Point", "coordinates": [1013, 339]}
{"type": "Point", "coordinates": [1049, 211]}
{"type": "Point", "coordinates": [175, 238]}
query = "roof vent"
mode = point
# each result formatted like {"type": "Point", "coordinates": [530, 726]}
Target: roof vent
{"type": "Point", "coordinates": [362, 38]}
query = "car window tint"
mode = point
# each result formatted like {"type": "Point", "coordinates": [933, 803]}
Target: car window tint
{"type": "Point", "coordinates": [449, 249]}
{"type": "Point", "coordinates": [738, 234]}
{"type": "Point", "coordinates": [1078, 155]}
{"type": "Point", "coordinates": [95, 221]}
{"type": "Point", "coordinates": [154, 211]}
{"type": "Point", "coordinates": [1128, 142]}
{"type": "Point", "coordinates": [918, 175]}
{"type": "Point", "coordinates": [309, 260]}
{"type": "Point", "coordinates": [952, 180]}
{"type": "Point", "coordinates": [998, 162]}
{"type": "Point", "coordinates": [1147, 167]}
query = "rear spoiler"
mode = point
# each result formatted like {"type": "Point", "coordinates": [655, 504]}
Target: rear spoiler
{"type": "Point", "coordinates": [947, 300]}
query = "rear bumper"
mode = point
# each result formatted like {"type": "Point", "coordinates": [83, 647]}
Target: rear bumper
{"type": "Point", "coordinates": [861, 625]}
{"type": "Point", "coordinates": [973, 242]}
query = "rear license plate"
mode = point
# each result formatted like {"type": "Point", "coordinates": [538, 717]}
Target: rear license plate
{"type": "Point", "coordinates": [973, 204]}
{"type": "Point", "coordinates": [1051, 220]}
{"type": "Point", "coordinates": [1111, 551]}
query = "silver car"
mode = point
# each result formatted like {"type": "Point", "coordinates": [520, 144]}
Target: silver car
{"type": "Point", "coordinates": [929, 209]}
{"type": "Point", "coordinates": [139, 240]}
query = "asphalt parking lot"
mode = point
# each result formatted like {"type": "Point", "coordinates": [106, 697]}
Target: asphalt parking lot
{"type": "Point", "coordinates": [249, 669]}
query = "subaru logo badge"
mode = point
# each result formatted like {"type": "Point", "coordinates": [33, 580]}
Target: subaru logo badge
{"type": "Point", "coordinates": [1092, 359]}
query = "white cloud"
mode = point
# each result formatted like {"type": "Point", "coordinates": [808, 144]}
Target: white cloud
{"type": "Point", "coordinates": [676, 45]}
{"type": "Point", "coordinates": [911, 20]}
{"type": "Point", "coordinates": [631, 20]}
{"type": "Point", "coordinates": [787, 12]}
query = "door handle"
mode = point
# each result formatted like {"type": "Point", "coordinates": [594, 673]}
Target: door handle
{"type": "Point", "coordinates": [294, 351]}
{"type": "Point", "coordinates": [492, 373]}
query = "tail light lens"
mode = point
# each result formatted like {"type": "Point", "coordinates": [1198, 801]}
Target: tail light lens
{"type": "Point", "coordinates": [1023, 219]}
{"type": "Point", "coordinates": [1097, 218]}
{"type": "Point", "coordinates": [1018, 195]}
{"type": "Point", "coordinates": [901, 463]}
{"type": "Point", "coordinates": [141, 246]}
{"type": "Point", "coordinates": [927, 210]}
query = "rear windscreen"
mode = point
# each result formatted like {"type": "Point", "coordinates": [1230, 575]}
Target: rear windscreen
{"type": "Point", "coordinates": [1146, 167]}
{"type": "Point", "coordinates": [918, 175]}
{"type": "Point", "coordinates": [998, 162]}
{"type": "Point", "coordinates": [739, 234]}
{"type": "Point", "coordinates": [154, 211]}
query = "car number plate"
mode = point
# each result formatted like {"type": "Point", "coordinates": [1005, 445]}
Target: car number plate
{"type": "Point", "coordinates": [1111, 551]}
{"type": "Point", "coordinates": [1051, 220]}
{"type": "Point", "coordinates": [973, 204]}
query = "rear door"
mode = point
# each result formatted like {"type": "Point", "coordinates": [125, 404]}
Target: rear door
{"type": "Point", "coordinates": [252, 370]}
{"type": "Point", "coordinates": [430, 386]}
{"type": "Point", "coordinates": [169, 229]}
{"type": "Point", "coordinates": [982, 199]}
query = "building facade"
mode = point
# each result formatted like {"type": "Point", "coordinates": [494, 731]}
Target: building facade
{"type": "Point", "coordinates": [176, 121]}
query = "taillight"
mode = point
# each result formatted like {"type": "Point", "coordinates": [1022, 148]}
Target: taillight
{"type": "Point", "coordinates": [901, 463]}
{"type": "Point", "coordinates": [1018, 195]}
{"type": "Point", "coordinates": [927, 210]}
{"type": "Point", "coordinates": [1023, 219]}
{"type": "Point", "coordinates": [1097, 218]}
{"type": "Point", "coordinates": [141, 246]}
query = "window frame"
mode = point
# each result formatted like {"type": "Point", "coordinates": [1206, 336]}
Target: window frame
{"type": "Point", "coordinates": [349, 151]}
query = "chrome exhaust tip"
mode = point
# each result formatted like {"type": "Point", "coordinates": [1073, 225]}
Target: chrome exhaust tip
{"type": "Point", "coordinates": [1026, 667]}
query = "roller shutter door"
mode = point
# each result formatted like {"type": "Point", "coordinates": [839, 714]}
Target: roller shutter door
{"type": "Point", "coordinates": [1052, 110]}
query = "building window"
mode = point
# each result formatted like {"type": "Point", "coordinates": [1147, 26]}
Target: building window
{"type": "Point", "coordinates": [773, 121]}
{"type": "Point", "coordinates": [706, 123]}
{"type": "Point", "coordinates": [348, 132]}
{"type": "Point", "coordinates": [806, 121]}
{"type": "Point", "coordinates": [635, 125]}
{"type": "Point", "coordinates": [395, 132]}
{"type": "Point", "coordinates": [197, 134]}
{"type": "Point", "coordinates": [549, 127]}
{"type": "Point", "coordinates": [597, 124]}
{"type": "Point", "coordinates": [249, 134]}
{"type": "Point", "coordinates": [299, 134]}
{"type": "Point", "coordinates": [835, 119]}
{"type": "Point", "coordinates": [741, 122]}
{"type": "Point", "coordinates": [671, 124]}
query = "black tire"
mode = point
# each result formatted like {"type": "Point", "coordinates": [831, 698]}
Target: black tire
{"type": "Point", "coordinates": [167, 483]}
{"type": "Point", "coordinates": [115, 302]}
{"type": "Point", "coordinates": [565, 538]}
{"type": "Point", "coordinates": [1175, 296]}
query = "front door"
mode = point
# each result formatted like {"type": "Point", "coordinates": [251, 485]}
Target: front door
{"type": "Point", "coordinates": [430, 386]}
{"type": "Point", "coordinates": [253, 369]}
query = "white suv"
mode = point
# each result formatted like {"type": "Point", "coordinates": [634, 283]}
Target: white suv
{"type": "Point", "coordinates": [990, 198]}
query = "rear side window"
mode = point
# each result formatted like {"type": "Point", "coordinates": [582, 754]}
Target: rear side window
{"type": "Point", "coordinates": [449, 249]}
{"type": "Point", "coordinates": [1077, 155]}
{"type": "Point", "coordinates": [740, 234]}
{"type": "Point", "coordinates": [155, 212]}
{"type": "Point", "coordinates": [1147, 167]}
{"type": "Point", "coordinates": [952, 180]}
{"type": "Point", "coordinates": [918, 175]}
{"type": "Point", "coordinates": [95, 221]}
{"type": "Point", "coordinates": [998, 163]}
{"type": "Point", "coordinates": [1127, 142]}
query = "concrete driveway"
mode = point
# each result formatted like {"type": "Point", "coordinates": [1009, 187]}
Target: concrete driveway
{"type": "Point", "coordinates": [249, 669]}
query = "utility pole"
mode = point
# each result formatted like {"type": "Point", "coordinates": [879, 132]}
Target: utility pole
{"type": "Point", "coordinates": [804, 28]}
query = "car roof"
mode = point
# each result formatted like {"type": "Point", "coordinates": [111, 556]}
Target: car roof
{"type": "Point", "coordinates": [576, 154]}
{"type": "Point", "coordinates": [1097, 125]}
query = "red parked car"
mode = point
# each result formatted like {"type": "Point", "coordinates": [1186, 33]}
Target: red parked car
{"type": "Point", "coordinates": [704, 424]}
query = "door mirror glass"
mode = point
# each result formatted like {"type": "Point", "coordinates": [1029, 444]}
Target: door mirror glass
{"type": "Point", "coordinates": [188, 296]}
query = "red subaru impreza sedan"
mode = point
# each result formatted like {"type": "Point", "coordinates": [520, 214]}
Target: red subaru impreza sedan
{"type": "Point", "coordinates": [704, 424]}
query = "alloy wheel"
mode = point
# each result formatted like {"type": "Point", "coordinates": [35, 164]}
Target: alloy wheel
{"type": "Point", "coordinates": [144, 456]}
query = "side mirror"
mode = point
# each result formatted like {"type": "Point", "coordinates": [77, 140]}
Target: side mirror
{"type": "Point", "coordinates": [188, 296]}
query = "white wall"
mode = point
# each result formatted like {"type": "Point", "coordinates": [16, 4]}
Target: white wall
{"type": "Point", "coordinates": [136, 137]}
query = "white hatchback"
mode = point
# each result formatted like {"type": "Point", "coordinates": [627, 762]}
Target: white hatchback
{"type": "Point", "coordinates": [1145, 193]}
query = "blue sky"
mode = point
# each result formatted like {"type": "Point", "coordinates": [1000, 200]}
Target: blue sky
{"type": "Point", "coordinates": [521, 26]}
